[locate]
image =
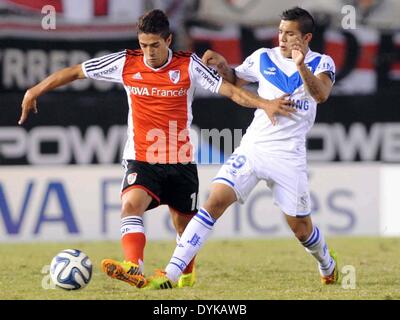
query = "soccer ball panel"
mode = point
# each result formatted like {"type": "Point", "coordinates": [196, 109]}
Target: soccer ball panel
{"type": "Point", "coordinates": [71, 269]}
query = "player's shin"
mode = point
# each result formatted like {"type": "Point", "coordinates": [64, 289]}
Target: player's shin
{"type": "Point", "coordinates": [317, 247]}
{"type": "Point", "coordinates": [196, 233]}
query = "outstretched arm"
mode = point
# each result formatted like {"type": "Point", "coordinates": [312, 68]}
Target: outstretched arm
{"type": "Point", "coordinates": [319, 86]}
{"type": "Point", "coordinates": [231, 84]}
{"type": "Point", "coordinates": [55, 80]}
{"type": "Point", "coordinates": [280, 106]}
{"type": "Point", "coordinates": [213, 59]}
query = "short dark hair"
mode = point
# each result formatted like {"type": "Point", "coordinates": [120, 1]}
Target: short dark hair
{"type": "Point", "coordinates": [155, 22]}
{"type": "Point", "coordinates": [303, 17]}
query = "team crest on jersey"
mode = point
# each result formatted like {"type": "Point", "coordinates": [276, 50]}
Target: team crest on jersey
{"type": "Point", "coordinates": [131, 178]}
{"type": "Point", "coordinates": [174, 76]}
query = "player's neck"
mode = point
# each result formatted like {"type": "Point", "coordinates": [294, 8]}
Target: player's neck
{"type": "Point", "coordinates": [164, 62]}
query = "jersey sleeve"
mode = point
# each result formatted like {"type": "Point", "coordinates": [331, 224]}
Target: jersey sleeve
{"type": "Point", "coordinates": [247, 70]}
{"type": "Point", "coordinates": [107, 68]}
{"type": "Point", "coordinates": [327, 65]}
{"type": "Point", "coordinates": [203, 76]}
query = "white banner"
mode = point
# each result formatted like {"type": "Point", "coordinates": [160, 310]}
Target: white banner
{"type": "Point", "coordinates": [82, 203]}
{"type": "Point", "coordinates": [390, 204]}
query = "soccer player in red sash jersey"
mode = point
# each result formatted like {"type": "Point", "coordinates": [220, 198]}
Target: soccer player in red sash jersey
{"type": "Point", "coordinates": [158, 155]}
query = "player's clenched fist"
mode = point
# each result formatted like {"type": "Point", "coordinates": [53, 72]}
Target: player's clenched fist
{"type": "Point", "coordinates": [212, 58]}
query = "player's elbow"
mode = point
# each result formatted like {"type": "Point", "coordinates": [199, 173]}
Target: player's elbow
{"type": "Point", "coordinates": [76, 72]}
{"type": "Point", "coordinates": [321, 98]}
{"type": "Point", "coordinates": [322, 94]}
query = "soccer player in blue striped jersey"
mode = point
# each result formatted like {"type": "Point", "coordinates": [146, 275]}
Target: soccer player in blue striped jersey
{"type": "Point", "coordinates": [272, 150]}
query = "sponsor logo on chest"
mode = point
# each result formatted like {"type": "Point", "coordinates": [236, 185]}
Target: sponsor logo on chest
{"type": "Point", "coordinates": [157, 92]}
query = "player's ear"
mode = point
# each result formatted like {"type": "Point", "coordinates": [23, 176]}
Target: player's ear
{"type": "Point", "coordinates": [169, 40]}
{"type": "Point", "coordinates": [308, 37]}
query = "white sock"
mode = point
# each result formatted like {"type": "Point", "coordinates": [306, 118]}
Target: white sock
{"type": "Point", "coordinates": [195, 235]}
{"type": "Point", "coordinates": [316, 246]}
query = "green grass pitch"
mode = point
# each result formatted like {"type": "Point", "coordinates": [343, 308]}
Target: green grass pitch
{"type": "Point", "coordinates": [232, 269]}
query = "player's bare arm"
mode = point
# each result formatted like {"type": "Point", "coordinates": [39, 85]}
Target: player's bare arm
{"type": "Point", "coordinates": [319, 86]}
{"type": "Point", "coordinates": [216, 60]}
{"type": "Point", "coordinates": [55, 80]}
{"type": "Point", "coordinates": [280, 106]}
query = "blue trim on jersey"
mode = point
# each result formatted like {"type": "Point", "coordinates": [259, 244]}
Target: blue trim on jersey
{"type": "Point", "coordinates": [220, 178]}
{"type": "Point", "coordinates": [278, 78]}
{"type": "Point", "coordinates": [302, 215]}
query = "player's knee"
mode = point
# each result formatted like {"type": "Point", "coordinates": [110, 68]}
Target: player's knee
{"type": "Point", "coordinates": [301, 226]}
{"type": "Point", "coordinates": [130, 208]}
{"type": "Point", "coordinates": [181, 224]}
{"type": "Point", "coordinates": [301, 233]}
{"type": "Point", "coordinates": [180, 229]}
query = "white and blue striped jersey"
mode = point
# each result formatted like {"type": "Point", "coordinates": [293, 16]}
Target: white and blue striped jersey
{"type": "Point", "coordinates": [277, 75]}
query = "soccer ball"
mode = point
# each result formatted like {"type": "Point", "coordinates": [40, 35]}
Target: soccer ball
{"type": "Point", "coordinates": [71, 269]}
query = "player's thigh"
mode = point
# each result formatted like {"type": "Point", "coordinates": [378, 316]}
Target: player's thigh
{"type": "Point", "coordinates": [142, 176]}
{"type": "Point", "coordinates": [181, 189]}
{"type": "Point", "coordinates": [238, 173]}
{"type": "Point", "coordinates": [135, 202]}
{"type": "Point", "coordinates": [290, 186]}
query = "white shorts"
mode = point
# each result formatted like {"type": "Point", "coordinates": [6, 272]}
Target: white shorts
{"type": "Point", "coordinates": [287, 178]}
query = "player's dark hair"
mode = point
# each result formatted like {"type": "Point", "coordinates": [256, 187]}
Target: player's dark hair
{"type": "Point", "coordinates": [154, 22]}
{"type": "Point", "coordinates": [303, 17]}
